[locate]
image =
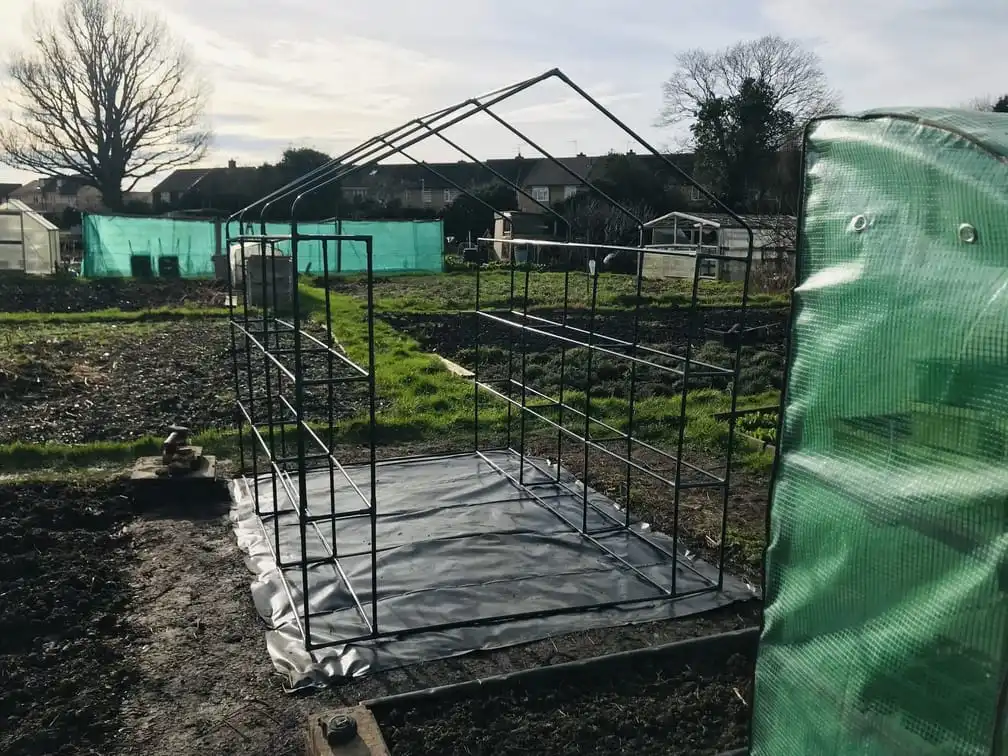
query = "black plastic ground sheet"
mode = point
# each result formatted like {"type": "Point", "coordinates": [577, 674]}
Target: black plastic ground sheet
{"type": "Point", "coordinates": [458, 540]}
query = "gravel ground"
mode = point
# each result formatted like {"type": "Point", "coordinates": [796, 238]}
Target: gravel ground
{"type": "Point", "coordinates": [22, 293]}
{"type": "Point", "coordinates": [110, 381]}
{"type": "Point", "coordinates": [158, 650]}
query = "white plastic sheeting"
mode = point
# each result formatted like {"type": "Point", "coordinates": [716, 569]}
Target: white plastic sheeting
{"type": "Point", "coordinates": [28, 242]}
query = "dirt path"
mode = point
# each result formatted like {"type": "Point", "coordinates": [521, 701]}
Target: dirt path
{"type": "Point", "coordinates": [205, 683]}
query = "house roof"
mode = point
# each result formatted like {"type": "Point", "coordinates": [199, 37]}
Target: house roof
{"type": "Point", "coordinates": [392, 176]}
{"type": "Point", "coordinates": [222, 181]}
{"type": "Point", "coordinates": [398, 176]}
{"type": "Point", "coordinates": [546, 172]}
{"type": "Point", "coordinates": [66, 185]}
{"type": "Point", "coordinates": [180, 180]}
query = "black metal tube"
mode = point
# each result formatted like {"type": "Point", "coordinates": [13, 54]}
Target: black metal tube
{"type": "Point", "coordinates": [733, 418]}
{"type": "Point", "coordinates": [664, 158]}
{"type": "Point", "coordinates": [583, 532]}
{"type": "Point", "coordinates": [683, 397]}
{"type": "Point", "coordinates": [510, 367]}
{"type": "Point", "coordinates": [248, 370]}
{"type": "Point", "coordinates": [501, 177]}
{"type": "Point", "coordinates": [234, 347]}
{"type": "Point", "coordinates": [588, 393]}
{"type": "Point", "coordinates": [567, 169]}
{"type": "Point", "coordinates": [372, 437]}
{"type": "Point", "coordinates": [580, 439]}
{"type": "Point", "coordinates": [633, 384]}
{"type": "Point", "coordinates": [281, 370]}
{"type": "Point", "coordinates": [339, 246]}
{"type": "Point", "coordinates": [476, 362]}
{"type": "Point", "coordinates": [524, 380]}
{"type": "Point", "coordinates": [330, 436]}
{"type": "Point", "coordinates": [299, 411]}
{"type": "Point", "coordinates": [374, 158]}
{"type": "Point", "coordinates": [575, 342]}
{"type": "Point", "coordinates": [620, 435]}
{"type": "Point", "coordinates": [267, 374]}
{"type": "Point", "coordinates": [461, 189]}
{"type": "Point", "coordinates": [327, 172]}
{"type": "Point", "coordinates": [634, 347]}
{"type": "Point", "coordinates": [618, 525]}
{"type": "Point", "coordinates": [563, 360]}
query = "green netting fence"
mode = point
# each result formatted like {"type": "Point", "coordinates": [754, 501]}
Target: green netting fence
{"type": "Point", "coordinates": [113, 243]}
{"type": "Point", "coordinates": [886, 622]}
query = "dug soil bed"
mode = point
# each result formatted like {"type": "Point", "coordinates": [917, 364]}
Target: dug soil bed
{"type": "Point", "coordinates": [454, 337]}
{"type": "Point", "coordinates": [24, 293]}
{"type": "Point", "coordinates": [128, 631]}
{"type": "Point", "coordinates": [118, 382]}
{"type": "Point", "coordinates": [657, 704]}
{"type": "Point", "coordinates": [63, 588]}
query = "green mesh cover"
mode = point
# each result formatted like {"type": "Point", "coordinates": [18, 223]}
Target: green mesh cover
{"type": "Point", "coordinates": [886, 616]}
{"type": "Point", "coordinates": [110, 242]}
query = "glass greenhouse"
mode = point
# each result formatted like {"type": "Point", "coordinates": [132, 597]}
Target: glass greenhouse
{"type": "Point", "coordinates": [28, 242]}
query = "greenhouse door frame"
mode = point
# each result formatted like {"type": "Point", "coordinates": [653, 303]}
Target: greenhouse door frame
{"type": "Point", "coordinates": [24, 247]}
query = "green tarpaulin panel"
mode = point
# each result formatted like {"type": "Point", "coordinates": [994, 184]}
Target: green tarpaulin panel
{"type": "Point", "coordinates": [111, 242]}
{"type": "Point", "coordinates": [886, 618]}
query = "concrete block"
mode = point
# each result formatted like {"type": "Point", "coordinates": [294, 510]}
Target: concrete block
{"type": "Point", "coordinates": [362, 737]}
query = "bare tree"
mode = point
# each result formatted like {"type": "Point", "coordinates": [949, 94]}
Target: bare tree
{"type": "Point", "coordinates": [105, 93]}
{"type": "Point", "coordinates": [793, 74]}
{"type": "Point", "coordinates": [988, 104]}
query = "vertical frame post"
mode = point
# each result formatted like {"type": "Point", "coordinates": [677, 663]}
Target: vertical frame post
{"type": "Point", "coordinates": [683, 399]}
{"type": "Point", "coordinates": [330, 399]}
{"type": "Point", "coordinates": [593, 274]}
{"type": "Point", "coordinates": [372, 434]}
{"type": "Point", "coordinates": [232, 325]}
{"type": "Point", "coordinates": [476, 363]}
{"type": "Point", "coordinates": [302, 471]}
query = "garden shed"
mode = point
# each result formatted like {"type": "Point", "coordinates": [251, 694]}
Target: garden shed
{"type": "Point", "coordinates": [720, 242]}
{"type": "Point", "coordinates": [28, 242]}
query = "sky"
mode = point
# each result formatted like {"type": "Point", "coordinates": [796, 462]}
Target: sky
{"type": "Point", "coordinates": [329, 74]}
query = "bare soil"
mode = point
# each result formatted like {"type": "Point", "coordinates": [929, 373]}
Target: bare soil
{"type": "Point", "coordinates": [140, 637]}
{"type": "Point", "coordinates": [24, 293]}
{"type": "Point", "coordinates": [64, 585]}
{"type": "Point", "coordinates": [109, 381]}
{"type": "Point", "coordinates": [653, 706]}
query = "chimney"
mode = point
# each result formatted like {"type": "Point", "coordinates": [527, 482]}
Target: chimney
{"type": "Point", "coordinates": [232, 163]}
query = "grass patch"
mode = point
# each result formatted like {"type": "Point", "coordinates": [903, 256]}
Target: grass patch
{"type": "Point", "coordinates": [422, 399]}
{"type": "Point", "coordinates": [19, 457]}
{"type": "Point", "coordinates": [160, 314]}
{"type": "Point", "coordinates": [454, 292]}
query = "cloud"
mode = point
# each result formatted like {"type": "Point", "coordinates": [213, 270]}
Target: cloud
{"type": "Point", "coordinates": [330, 75]}
{"type": "Point", "coordinates": [901, 52]}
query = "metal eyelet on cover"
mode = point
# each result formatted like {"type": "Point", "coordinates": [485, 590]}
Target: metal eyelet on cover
{"type": "Point", "coordinates": [967, 233]}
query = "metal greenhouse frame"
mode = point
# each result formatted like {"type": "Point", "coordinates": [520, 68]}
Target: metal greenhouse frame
{"type": "Point", "coordinates": [279, 446]}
